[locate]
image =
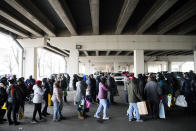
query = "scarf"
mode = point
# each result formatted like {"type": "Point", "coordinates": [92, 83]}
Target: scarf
{"type": "Point", "coordinates": [12, 90]}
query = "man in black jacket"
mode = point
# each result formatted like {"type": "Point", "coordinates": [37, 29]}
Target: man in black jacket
{"type": "Point", "coordinates": [3, 97]}
{"type": "Point", "coordinates": [113, 87]}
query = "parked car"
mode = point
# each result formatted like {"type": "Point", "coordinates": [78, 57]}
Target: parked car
{"type": "Point", "coordinates": [119, 78]}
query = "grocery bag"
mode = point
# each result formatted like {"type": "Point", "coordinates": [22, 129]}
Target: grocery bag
{"type": "Point", "coordinates": [180, 101]}
{"type": "Point", "coordinates": [161, 110]}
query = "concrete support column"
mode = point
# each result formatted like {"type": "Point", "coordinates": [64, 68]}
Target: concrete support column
{"type": "Point", "coordinates": [30, 62]}
{"type": "Point", "coordinates": [115, 67]}
{"type": "Point", "coordinates": [145, 67]}
{"type": "Point", "coordinates": [194, 54]}
{"type": "Point", "coordinates": [138, 62]}
{"type": "Point", "coordinates": [169, 66]}
{"type": "Point", "coordinates": [73, 66]}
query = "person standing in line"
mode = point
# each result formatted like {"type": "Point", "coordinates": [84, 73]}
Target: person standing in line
{"type": "Point", "coordinates": [37, 100]}
{"type": "Point", "coordinates": [126, 85]}
{"type": "Point", "coordinates": [46, 90]}
{"type": "Point", "coordinates": [153, 92]}
{"type": "Point", "coordinates": [134, 96]}
{"type": "Point", "coordinates": [57, 99]}
{"type": "Point", "coordinates": [14, 99]}
{"type": "Point", "coordinates": [68, 81]}
{"type": "Point", "coordinates": [113, 87]}
{"type": "Point", "coordinates": [102, 95]}
{"type": "Point", "coordinates": [3, 97]}
{"type": "Point", "coordinates": [80, 96]}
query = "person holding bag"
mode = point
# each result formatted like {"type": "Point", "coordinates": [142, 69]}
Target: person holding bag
{"type": "Point", "coordinates": [37, 100]}
{"type": "Point", "coordinates": [134, 96]}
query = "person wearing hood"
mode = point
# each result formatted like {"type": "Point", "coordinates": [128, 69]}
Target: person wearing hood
{"type": "Point", "coordinates": [13, 103]}
{"type": "Point", "coordinates": [3, 97]}
{"type": "Point", "coordinates": [37, 100]}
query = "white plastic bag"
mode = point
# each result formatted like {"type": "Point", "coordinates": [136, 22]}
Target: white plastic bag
{"type": "Point", "coordinates": [161, 110]}
{"type": "Point", "coordinates": [180, 101]}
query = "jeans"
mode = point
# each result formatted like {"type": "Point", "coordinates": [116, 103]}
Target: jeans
{"type": "Point", "coordinates": [155, 109]}
{"type": "Point", "coordinates": [102, 105]}
{"type": "Point", "coordinates": [133, 107]}
{"type": "Point", "coordinates": [57, 110]}
{"type": "Point", "coordinates": [12, 108]}
{"type": "Point", "coordinates": [37, 108]}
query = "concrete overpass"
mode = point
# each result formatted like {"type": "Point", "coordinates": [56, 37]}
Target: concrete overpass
{"type": "Point", "coordinates": [106, 31]}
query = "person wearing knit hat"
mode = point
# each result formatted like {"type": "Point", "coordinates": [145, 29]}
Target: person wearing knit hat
{"type": "Point", "coordinates": [37, 100]}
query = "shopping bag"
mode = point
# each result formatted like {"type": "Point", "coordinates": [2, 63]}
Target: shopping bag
{"type": "Point", "coordinates": [49, 100]}
{"type": "Point", "coordinates": [161, 110]}
{"type": "Point", "coordinates": [20, 113]}
{"type": "Point", "coordinates": [180, 101]}
{"type": "Point", "coordinates": [142, 107]}
{"type": "Point", "coordinates": [116, 93]}
{"type": "Point", "coordinates": [4, 106]}
{"type": "Point", "coordinates": [88, 104]}
{"type": "Point", "coordinates": [169, 98]}
{"type": "Point", "coordinates": [64, 93]}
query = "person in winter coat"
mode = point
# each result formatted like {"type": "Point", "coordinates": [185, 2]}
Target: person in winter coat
{"type": "Point", "coordinates": [37, 100]}
{"type": "Point", "coordinates": [113, 87]}
{"type": "Point", "coordinates": [126, 85]}
{"type": "Point", "coordinates": [141, 84]}
{"type": "Point", "coordinates": [152, 92]}
{"type": "Point", "coordinates": [57, 99]}
{"type": "Point", "coordinates": [63, 84]}
{"type": "Point", "coordinates": [164, 90]}
{"type": "Point", "coordinates": [22, 90]}
{"type": "Point", "coordinates": [98, 80]}
{"type": "Point", "coordinates": [14, 100]}
{"type": "Point", "coordinates": [3, 97]}
{"type": "Point", "coordinates": [68, 81]}
{"type": "Point", "coordinates": [134, 96]}
{"type": "Point", "coordinates": [102, 99]}
{"type": "Point", "coordinates": [46, 90]}
{"type": "Point", "coordinates": [79, 98]}
{"type": "Point", "coordinates": [186, 88]}
{"type": "Point", "coordinates": [75, 80]}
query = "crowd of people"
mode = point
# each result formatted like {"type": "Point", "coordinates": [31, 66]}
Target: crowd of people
{"type": "Point", "coordinates": [89, 90]}
{"type": "Point", "coordinates": [15, 92]}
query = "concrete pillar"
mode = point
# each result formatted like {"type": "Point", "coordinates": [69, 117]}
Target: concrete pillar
{"type": "Point", "coordinates": [194, 54]}
{"type": "Point", "coordinates": [138, 62]}
{"type": "Point", "coordinates": [145, 67]}
{"type": "Point", "coordinates": [73, 66]}
{"type": "Point", "coordinates": [169, 66]}
{"type": "Point", "coordinates": [115, 67]}
{"type": "Point", "coordinates": [30, 62]}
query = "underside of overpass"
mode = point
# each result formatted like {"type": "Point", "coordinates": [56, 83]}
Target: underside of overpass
{"type": "Point", "coordinates": [104, 29]}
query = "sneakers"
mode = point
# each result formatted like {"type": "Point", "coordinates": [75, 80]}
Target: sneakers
{"type": "Point", "coordinates": [106, 118]}
{"type": "Point", "coordinates": [140, 121]}
{"type": "Point", "coordinates": [34, 121]}
{"type": "Point", "coordinates": [96, 116]}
